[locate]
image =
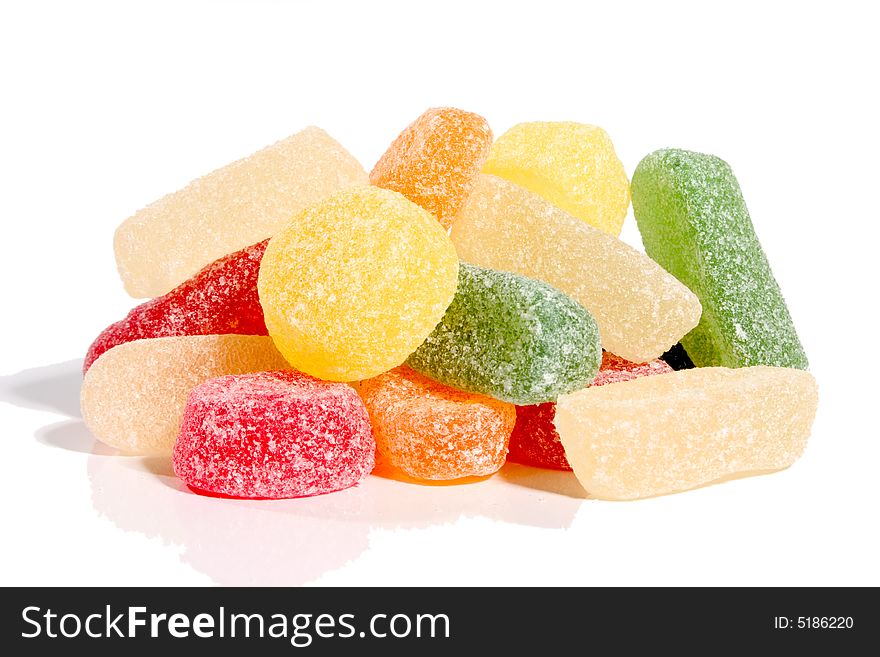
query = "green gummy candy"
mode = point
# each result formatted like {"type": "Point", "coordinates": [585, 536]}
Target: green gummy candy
{"type": "Point", "coordinates": [695, 224]}
{"type": "Point", "coordinates": [511, 337]}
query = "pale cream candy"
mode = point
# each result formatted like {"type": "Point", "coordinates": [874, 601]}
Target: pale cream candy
{"type": "Point", "coordinates": [133, 396]}
{"type": "Point", "coordinates": [641, 310]}
{"type": "Point", "coordinates": [233, 207]}
{"type": "Point", "coordinates": [671, 432]}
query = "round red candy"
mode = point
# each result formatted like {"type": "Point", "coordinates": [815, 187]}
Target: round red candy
{"type": "Point", "coordinates": [273, 435]}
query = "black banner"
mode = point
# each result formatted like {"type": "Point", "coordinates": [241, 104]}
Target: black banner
{"type": "Point", "coordinates": [434, 621]}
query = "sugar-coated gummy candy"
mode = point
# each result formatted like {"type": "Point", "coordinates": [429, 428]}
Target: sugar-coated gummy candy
{"type": "Point", "coordinates": [240, 204]}
{"type": "Point", "coordinates": [435, 160]}
{"type": "Point", "coordinates": [615, 369]}
{"type": "Point", "coordinates": [641, 310]}
{"type": "Point", "coordinates": [273, 435]}
{"type": "Point", "coordinates": [694, 222]}
{"type": "Point", "coordinates": [356, 283]}
{"type": "Point", "coordinates": [431, 431]}
{"type": "Point", "coordinates": [221, 298]}
{"type": "Point", "coordinates": [511, 337]}
{"type": "Point", "coordinates": [133, 395]}
{"type": "Point", "coordinates": [662, 434]}
{"type": "Point", "coordinates": [535, 441]}
{"type": "Point", "coordinates": [572, 165]}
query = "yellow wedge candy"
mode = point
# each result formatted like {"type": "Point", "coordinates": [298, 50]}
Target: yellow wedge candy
{"type": "Point", "coordinates": [572, 165]}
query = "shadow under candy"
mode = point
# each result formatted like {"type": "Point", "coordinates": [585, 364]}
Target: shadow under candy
{"type": "Point", "coordinates": [72, 435]}
{"type": "Point", "coordinates": [54, 388]}
{"type": "Point", "coordinates": [235, 542]}
{"type": "Point", "coordinates": [274, 542]}
{"type": "Point", "coordinates": [291, 542]}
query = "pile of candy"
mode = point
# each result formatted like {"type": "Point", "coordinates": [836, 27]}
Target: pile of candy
{"type": "Point", "coordinates": [465, 304]}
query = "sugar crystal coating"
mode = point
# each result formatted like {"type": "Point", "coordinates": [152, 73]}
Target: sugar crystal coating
{"type": "Point", "coordinates": [221, 298]}
{"type": "Point", "coordinates": [571, 165]}
{"type": "Point", "coordinates": [535, 441]}
{"type": "Point", "coordinates": [615, 369]}
{"type": "Point", "coordinates": [356, 283]}
{"type": "Point", "coordinates": [431, 431]}
{"type": "Point", "coordinates": [511, 337]}
{"type": "Point", "coordinates": [662, 434]}
{"type": "Point", "coordinates": [242, 203]}
{"type": "Point", "coordinates": [641, 309]}
{"type": "Point", "coordinates": [133, 395]}
{"type": "Point", "coordinates": [435, 160]}
{"type": "Point", "coordinates": [695, 223]}
{"type": "Point", "coordinates": [273, 435]}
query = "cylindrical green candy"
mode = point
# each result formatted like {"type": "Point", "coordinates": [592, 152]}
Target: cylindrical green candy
{"type": "Point", "coordinates": [695, 224]}
{"type": "Point", "coordinates": [512, 338]}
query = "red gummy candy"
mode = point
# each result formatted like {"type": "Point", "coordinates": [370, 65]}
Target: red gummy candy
{"type": "Point", "coordinates": [273, 435]}
{"type": "Point", "coordinates": [535, 441]}
{"type": "Point", "coordinates": [615, 369]}
{"type": "Point", "coordinates": [222, 298]}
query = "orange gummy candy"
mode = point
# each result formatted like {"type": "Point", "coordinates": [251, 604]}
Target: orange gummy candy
{"type": "Point", "coordinates": [436, 160]}
{"type": "Point", "coordinates": [431, 431]}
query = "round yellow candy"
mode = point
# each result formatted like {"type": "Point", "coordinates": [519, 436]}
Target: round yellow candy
{"type": "Point", "coordinates": [356, 283]}
{"type": "Point", "coordinates": [572, 165]}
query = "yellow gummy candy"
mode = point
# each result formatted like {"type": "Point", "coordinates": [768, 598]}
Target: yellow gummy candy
{"type": "Point", "coordinates": [233, 207]}
{"type": "Point", "coordinates": [641, 310]}
{"type": "Point", "coordinates": [672, 432]}
{"type": "Point", "coordinates": [133, 396]}
{"type": "Point", "coordinates": [572, 165]}
{"type": "Point", "coordinates": [356, 283]}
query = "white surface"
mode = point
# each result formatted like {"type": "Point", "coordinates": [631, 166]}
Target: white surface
{"type": "Point", "coordinates": [107, 106]}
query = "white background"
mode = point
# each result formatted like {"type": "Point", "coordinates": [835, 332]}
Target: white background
{"type": "Point", "coordinates": [107, 106]}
